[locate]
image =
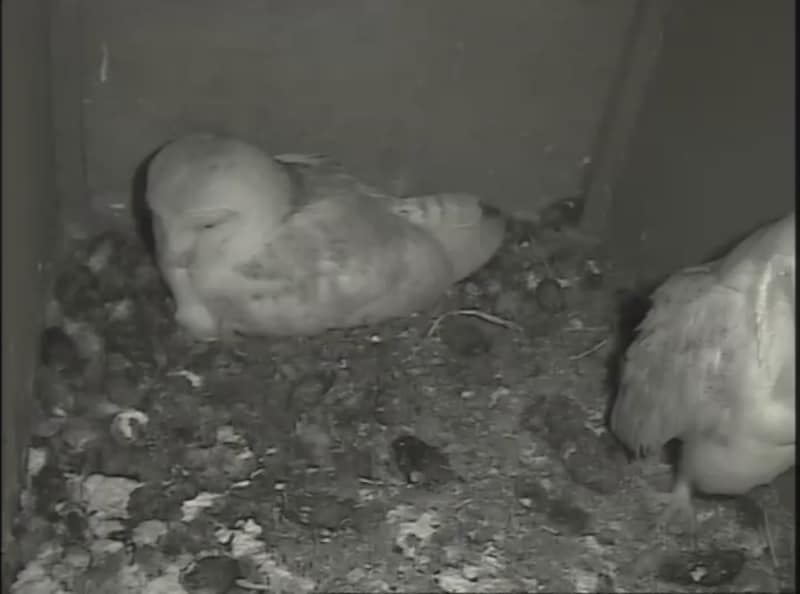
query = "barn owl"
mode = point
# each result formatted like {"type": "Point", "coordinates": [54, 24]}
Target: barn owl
{"type": "Point", "coordinates": [714, 366]}
{"type": "Point", "coordinates": [292, 245]}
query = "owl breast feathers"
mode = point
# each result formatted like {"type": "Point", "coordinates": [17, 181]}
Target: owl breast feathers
{"type": "Point", "coordinates": [293, 245]}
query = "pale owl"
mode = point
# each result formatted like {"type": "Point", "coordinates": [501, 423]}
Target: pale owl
{"type": "Point", "coordinates": [714, 366]}
{"type": "Point", "coordinates": [292, 245]}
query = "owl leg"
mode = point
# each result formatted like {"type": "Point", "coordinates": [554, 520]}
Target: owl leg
{"type": "Point", "coordinates": [190, 312]}
{"type": "Point", "coordinates": [679, 511]}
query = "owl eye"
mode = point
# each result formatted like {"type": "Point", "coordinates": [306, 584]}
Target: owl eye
{"type": "Point", "coordinates": [209, 219]}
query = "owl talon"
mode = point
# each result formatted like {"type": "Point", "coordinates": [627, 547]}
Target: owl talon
{"type": "Point", "coordinates": [679, 515]}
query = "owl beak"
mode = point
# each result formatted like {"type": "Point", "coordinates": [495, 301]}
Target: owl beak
{"type": "Point", "coordinates": [178, 253]}
{"type": "Point", "coordinates": [173, 251]}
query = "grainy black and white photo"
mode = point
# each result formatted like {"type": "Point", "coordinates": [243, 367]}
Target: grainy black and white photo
{"type": "Point", "coordinates": [318, 296]}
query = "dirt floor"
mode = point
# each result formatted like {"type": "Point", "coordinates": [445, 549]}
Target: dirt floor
{"type": "Point", "coordinates": [460, 450]}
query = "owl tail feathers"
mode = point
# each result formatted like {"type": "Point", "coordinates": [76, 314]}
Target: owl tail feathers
{"type": "Point", "coordinates": [469, 231]}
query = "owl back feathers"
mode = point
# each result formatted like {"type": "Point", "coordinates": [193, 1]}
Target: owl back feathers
{"type": "Point", "coordinates": [712, 358]}
{"type": "Point", "coordinates": [468, 231]}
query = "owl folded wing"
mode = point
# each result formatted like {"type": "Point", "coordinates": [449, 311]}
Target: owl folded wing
{"type": "Point", "coordinates": [343, 262]}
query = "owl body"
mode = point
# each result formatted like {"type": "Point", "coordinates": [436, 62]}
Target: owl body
{"type": "Point", "coordinates": [714, 366]}
{"type": "Point", "coordinates": [314, 251]}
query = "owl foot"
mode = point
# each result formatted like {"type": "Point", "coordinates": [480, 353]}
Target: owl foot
{"type": "Point", "coordinates": [679, 515]}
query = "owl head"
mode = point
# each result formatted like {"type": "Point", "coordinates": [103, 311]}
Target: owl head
{"type": "Point", "coordinates": [206, 189]}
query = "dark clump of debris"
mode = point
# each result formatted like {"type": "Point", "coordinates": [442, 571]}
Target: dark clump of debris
{"type": "Point", "coordinates": [462, 449]}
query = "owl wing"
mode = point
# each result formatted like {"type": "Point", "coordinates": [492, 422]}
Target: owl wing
{"type": "Point", "coordinates": [774, 416]}
{"type": "Point", "coordinates": [343, 262]}
{"type": "Point", "coordinates": [715, 353]}
{"type": "Point", "coordinates": [468, 231]}
{"type": "Point", "coordinates": [710, 360]}
{"type": "Point", "coordinates": [679, 375]}
{"type": "Point", "coordinates": [319, 177]}
{"type": "Point", "coordinates": [763, 268]}
{"type": "Point", "coordinates": [763, 265]}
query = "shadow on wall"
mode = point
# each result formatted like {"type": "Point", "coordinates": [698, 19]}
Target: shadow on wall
{"type": "Point", "coordinates": [632, 307]}
{"type": "Point", "coordinates": [713, 150]}
{"type": "Point", "coordinates": [142, 217]}
{"type": "Point", "coordinates": [431, 96]}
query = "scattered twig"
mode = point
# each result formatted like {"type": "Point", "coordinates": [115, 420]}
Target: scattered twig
{"type": "Point", "coordinates": [196, 381]}
{"type": "Point", "coordinates": [550, 530]}
{"type": "Point", "coordinates": [589, 351]}
{"type": "Point", "coordinates": [462, 503]}
{"type": "Point", "coordinates": [487, 317]}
